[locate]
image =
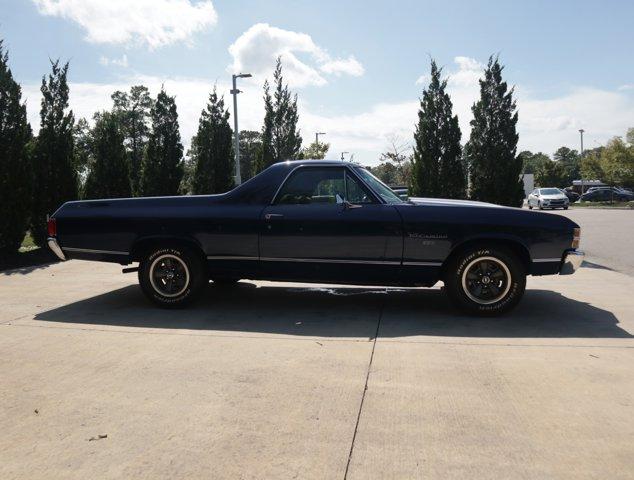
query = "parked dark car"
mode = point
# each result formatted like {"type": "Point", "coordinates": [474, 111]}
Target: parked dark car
{"type": "Point", "coordinates": [572, 195]}
{"type": "Point", "coordinates": [606, 195]}
{"type": "Point", "coordinates": [320, 221]}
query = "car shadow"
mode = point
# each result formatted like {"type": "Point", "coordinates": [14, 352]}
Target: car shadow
{"type": "Point", "coordinates": [342, 312]}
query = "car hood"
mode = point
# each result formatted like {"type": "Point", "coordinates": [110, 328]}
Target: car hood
{"type": "Point", "coordinates": [452, 203]}
{"type": "Point", "coordinates": [554, 197]}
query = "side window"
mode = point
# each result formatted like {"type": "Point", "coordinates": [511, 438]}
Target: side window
{"type": "Point", "coordinates": [356, 192]}
{"type": "Point", "coordinates": [313, 185]}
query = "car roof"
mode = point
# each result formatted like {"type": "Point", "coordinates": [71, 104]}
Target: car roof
{"type": "Point", "coordinates": [308, 161]}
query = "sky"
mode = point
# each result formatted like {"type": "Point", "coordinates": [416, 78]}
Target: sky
{"type": "Point", "coordinates": [358, 67]}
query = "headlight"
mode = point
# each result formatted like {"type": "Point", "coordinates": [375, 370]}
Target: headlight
{"type": "Point", "coordinates": [576, 237]}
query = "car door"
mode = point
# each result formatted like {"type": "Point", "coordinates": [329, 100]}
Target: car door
{"type": "Point", "coordinates": [325, 224]}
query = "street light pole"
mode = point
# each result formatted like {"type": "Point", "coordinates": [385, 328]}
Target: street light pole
{"type": "Point", "coordinates": [342, 155]}
{"type": "Point", "coordinates": [317, 136]}
{"type": "Point", "coordinates": [235, 92]}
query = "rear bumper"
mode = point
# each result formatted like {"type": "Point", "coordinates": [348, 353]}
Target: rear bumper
{"type": "Point", "coordinates": [571, 262]}
{"type": "Point", "coordinates": [54, 246]}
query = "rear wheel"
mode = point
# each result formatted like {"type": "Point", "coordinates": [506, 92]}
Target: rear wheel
{"type": "Point", "coordinates": [485, 281]}
{"type": "Point", "coordinates": [172, 276]}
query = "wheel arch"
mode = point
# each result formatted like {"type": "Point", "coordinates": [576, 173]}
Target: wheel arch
{"type": "Point", "coordinates": [513, 244]}
{"type": "Point", "coordinates": [143, 245]}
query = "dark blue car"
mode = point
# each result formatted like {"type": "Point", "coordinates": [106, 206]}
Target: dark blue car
{"type": "Point", "coordinates": [320, 221]}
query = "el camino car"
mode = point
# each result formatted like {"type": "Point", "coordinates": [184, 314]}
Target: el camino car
{"type": "Point", "coordinates": [320, 221]}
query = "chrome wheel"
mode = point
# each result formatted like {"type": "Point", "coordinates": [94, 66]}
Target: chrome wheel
{"type": "Point", "coordinates": [169, 275]}
{"type": "Point", "coordinates": [486, 280]}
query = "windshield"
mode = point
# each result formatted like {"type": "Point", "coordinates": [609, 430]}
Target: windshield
{"type": "Point", "coordinates": [378, 186]}
{"type": "Point", "coordinates": [550, 191]}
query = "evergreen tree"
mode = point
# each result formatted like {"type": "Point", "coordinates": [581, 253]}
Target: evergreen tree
{"type": "Point", "coordinates": [212, 149]}
{"type": "Point", "coordinates": [266, 156]}
{"type": "Point", "coordinates": [82, 135]}
{"type": "Point", "coordinates": [281, 140]}
{"type": "Point", "coordinates": [570, 161]}
{"type": "Point", "coordinates": [134, 110]}
{"type": "Point", "coordinates": [15, 179]}
{"type": "Point", "coordinates": [109, 175]}
{"type": "Point", "coordinates": [250, 148]}
{"type": "Point", "coordinates": [495, 167]}
{"type": "Point", "coordinates": [162, 168]}
{"type": "Point", "coordinates": [438, 169]}
{"type": "Point", "coordinates": [55, 179]}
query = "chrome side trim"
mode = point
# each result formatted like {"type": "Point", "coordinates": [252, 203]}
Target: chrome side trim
{"type": "Point", "coordinates": [320, 260]}
{"type": "Point", "coordinates": [572, 261]}
{"type": "Point", "coordinates": [54, 246]}
{"type": "Point", "coordinates": [230, 257]}
{"type": "Point", "coordinates": [424, 264]}
{"type": "Point", "coordinates": [89, 250]}
{"type": "Point", "coordinates": [546, 260]}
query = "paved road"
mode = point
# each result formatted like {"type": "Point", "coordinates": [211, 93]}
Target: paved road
{"type": "Point", "coordinates": [607, 236]}
{"type": "Point", "coordinates": [298, 381]}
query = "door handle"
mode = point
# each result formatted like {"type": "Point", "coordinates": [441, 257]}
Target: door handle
{"type": "Point", "coordinates": [270, 216]}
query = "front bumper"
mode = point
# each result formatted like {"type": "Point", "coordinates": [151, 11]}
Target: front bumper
{"type": "Point", "coordinates": [572, 261]}
{"type": "Point", "coordinates": [57, 250]}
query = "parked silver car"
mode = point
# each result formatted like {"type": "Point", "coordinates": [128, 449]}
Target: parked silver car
{"type": "Point", "coordinates": [548, 198]}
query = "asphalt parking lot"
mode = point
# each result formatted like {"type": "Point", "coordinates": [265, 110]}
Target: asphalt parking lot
{"type": "Point", "coordinates": [607, 236]}
{"type": "Point", "coordinates": [305, 381]}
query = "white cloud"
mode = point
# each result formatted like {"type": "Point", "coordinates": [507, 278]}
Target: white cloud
{"type": "Point", "coordinates": [304, 62]}
{"type": "Point", "coordinates": [115, 62]}
{"type": "Point", "coordinates": [544, 124]}
{"type": "Point", "coordinates": [152, 22]}
{"type": "Point", "coordinates": [347, 66]}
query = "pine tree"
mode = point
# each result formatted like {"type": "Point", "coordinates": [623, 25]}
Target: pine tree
{"type": "Point", "coordinates": [162, 168]}
{"type": "Point", "coordinates": [250, 148]}
{"type": "Point", "coordinates": [109, 175]}
{"type": "Point", "coordinates": [266, 157]}
{"type": "Point", "coordinates": [495, 167]}
{"type": "Point", "coordinates": [134, 110]}
{"type": "Point", "coordinates": [15, 179]}
{"type": "Point", "coordinates": [212, 149]}
{"type": "Point", "coordinates": [281, 140]}
{"type": "Point", "coordinates": [438, 168]}
{"type": "Point", "coordinates": [55, 179]}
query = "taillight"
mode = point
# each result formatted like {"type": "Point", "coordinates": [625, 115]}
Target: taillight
{"type": "Point", "coordinates": [51, 227]}
{"type": "Point", "coordinates": [576, 237]}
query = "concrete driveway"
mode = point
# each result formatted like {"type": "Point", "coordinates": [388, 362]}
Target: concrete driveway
{"type": "Point", "coordinates": [301, 381]}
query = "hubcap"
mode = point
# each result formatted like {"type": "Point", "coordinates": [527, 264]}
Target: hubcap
{"type": "Point", "coordinates": [486, 280]}
{"type": "Point", "coordinates": [169, 275]}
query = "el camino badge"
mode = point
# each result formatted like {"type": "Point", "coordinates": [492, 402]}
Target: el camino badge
{"type": "Point", "coordinates": [427, 236]}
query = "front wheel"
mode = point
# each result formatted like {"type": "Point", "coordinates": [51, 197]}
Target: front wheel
{"type": "Point", "coordinates": [485, 281]}
{"type": "Point", "coordinates": [172, 276]}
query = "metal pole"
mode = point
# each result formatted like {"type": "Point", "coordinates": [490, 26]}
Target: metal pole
{"type": "Point", "coordinates": [235, 92]}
